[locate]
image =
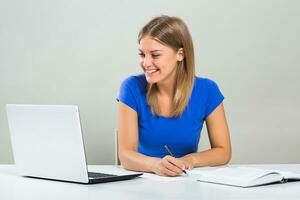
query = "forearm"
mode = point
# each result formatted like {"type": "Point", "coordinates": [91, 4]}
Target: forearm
{"type": "Point", "coordinates": [212, 157]}
{"type": "Point", "coordinates": [135, 161]}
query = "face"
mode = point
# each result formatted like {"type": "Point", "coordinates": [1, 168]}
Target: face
{"type": "Point", "coordinates": [158, 61]}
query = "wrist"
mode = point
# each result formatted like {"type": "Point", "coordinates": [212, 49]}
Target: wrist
{"type": "Point", "coordinates": [191, 159]}
{"type": "Point", "coordinates": [151, 163]}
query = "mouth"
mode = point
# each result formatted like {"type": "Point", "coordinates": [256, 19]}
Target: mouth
{"type": "Point", "coordinates": [151, 72]}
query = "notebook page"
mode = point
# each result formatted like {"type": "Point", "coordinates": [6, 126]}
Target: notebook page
{"type": "Point", "coordinates": [290, 175]}
{"type": "Point", "coordinates": [240, 176]}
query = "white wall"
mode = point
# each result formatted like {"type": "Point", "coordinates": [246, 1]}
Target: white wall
{"type": "Point", "coordinates": [78, 52]}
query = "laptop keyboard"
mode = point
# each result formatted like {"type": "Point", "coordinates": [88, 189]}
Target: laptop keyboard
{"type": "Point", "coordinates": [93, 175]}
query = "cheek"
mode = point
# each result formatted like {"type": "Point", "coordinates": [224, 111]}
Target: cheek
{"type": "Point", "coordinates": [141, 62]}
{"type": "Point", "coordinates": [161, 62]}
{"type": "Point", "coordinates": [169, 65]}
{"type": "Point", "coordinates": [168, 62]}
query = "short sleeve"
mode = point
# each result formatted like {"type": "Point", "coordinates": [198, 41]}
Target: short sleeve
{"type": "Point", "coordinates": [126, 94]}
{"type": "Point", "coordinates": [214, 97]}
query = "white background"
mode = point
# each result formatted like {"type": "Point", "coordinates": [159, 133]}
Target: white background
{"type": "Point", "coordinates": [79, 51]}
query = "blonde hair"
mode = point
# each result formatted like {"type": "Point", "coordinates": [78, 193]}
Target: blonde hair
{"type": "Point", "coordinates": [172, 32]}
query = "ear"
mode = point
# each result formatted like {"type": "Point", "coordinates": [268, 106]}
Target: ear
{"type": "Point", "coordinates": [180, 54]}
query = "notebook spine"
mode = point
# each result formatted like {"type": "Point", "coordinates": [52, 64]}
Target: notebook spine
{"type": "Point", "coordinates": [283, 180]}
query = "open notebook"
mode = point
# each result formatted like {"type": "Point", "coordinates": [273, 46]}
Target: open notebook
{"type": "Point", "coordinates": [246, 176]}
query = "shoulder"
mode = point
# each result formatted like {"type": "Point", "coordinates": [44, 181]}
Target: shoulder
{"type": "Point", "coordinates": [135, 82]}
{"type": "Point", "coordinates": [205, 83]}
{"type": "Point", "coordinates": [210, 93]}
{"type": "Point", "coordinates": [132, 91]}
{"type": "Point", "coordinates": [133, 79]}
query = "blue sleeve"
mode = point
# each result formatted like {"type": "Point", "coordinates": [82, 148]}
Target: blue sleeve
{"type": "Point", "coordinates": [214, 97]}
{"type": "Point", "coordinates": [126, 94]}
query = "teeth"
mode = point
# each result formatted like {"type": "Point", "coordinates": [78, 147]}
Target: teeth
{"type": "Point", "coordinates": [151, 71]}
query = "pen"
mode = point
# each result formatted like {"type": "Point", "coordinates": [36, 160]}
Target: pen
{"type": "Point", "coordinates": [171, 154]}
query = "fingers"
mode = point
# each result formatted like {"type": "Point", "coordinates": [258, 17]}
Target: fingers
{"type": "Point", "coordinates": [187, 161]}
{"type": "Point", "coordinates": [190, 167]}
{"type": "Point", "coordinates": [170, 166]}
{"type": "Point", "coordinates": [176, 162]}
{"type": "Point", "coordinates": [167, 172]}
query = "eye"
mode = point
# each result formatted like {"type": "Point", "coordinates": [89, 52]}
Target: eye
{"type": "Point", "coordinates": [141, 55]}
{"type": "Point", "coordinates": [155, 55]}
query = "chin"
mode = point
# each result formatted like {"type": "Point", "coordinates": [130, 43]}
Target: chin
{"type": "Point", "coordinates": [151, 80]}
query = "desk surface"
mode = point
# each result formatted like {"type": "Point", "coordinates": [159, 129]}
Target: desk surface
{"type": "Point", "coordinates": [14, 187]}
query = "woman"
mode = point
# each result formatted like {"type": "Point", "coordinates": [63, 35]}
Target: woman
{"type": "Point", "coordinates": [167, 105]}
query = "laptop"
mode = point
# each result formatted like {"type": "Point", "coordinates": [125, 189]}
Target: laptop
{"type": "Point", "coordinates": [47, 143]}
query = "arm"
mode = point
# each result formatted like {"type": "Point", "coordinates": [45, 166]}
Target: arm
{"type": "Point", "coordinates": [129, 156]}
{"type": "Point", "coordinates": [128, 141]}
{"type": "Point", "coordinates": [218, 132]}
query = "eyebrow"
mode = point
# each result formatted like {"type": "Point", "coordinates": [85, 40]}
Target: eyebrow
{"type": "Point", "coordinates": [153, 51]}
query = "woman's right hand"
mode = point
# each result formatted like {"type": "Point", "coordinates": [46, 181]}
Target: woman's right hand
{"type": "Point", "coordinates": [168, 166]}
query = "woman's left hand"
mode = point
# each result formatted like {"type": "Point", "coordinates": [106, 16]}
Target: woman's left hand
{"type": "Point", "coordinates": [188, 161]}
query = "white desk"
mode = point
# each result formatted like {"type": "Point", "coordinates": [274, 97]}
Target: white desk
{"type": "Point", "coordinates": [14, 187]}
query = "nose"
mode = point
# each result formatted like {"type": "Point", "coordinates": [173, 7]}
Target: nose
{"type": "Point", "coordinates": [147, 62]}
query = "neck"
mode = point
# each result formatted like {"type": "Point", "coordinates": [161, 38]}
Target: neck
{"type": "Point", "coordinates": [166, 87]}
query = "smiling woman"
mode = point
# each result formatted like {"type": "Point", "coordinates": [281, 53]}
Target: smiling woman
{"type": "Point", "coordinates": [160, 63]}
{"type": "Point", "coordinates": [168, 104]}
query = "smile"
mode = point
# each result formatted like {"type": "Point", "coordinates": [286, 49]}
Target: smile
{"type": "Point", "coordinates": [150, 72]}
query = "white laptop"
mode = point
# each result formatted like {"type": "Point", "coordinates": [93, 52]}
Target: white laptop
{"type": "Point", "coordinates": [47, 143]}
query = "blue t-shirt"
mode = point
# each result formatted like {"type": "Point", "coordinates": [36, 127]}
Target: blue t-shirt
{"type": "Point", "coordinates": [181, 134]}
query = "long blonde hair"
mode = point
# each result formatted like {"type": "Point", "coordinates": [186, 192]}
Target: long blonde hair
{"type": "Point", "coordinates": [173, 32]}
